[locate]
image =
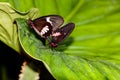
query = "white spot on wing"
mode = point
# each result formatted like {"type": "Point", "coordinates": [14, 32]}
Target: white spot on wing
{"type": "Point", "coordinates": [44, 30]}
{"type": "Point", "coordinates": [48, 20]}
{"type": "Point", "coordinates": [56, 34]}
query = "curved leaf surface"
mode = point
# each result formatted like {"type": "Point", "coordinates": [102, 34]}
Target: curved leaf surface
{"type": "Point", "coordinates": [89, 66]}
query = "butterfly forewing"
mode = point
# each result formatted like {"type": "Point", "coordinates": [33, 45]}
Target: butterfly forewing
{"type": "Point", "coordinates": [56, 20]}
{"type": "Point", "coordinates": [45, 25]}
{"type": "Point", "coordinates": [60, 34]}
{"type": "Point", "coordinates": [40, 24]}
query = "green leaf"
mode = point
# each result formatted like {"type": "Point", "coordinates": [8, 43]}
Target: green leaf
{"type": "Point", "coordinates": [93, 49]}
{"type": "Point", "coordinates": [62, 65]}
{"type": "Point", "coordinates": [8, 30]}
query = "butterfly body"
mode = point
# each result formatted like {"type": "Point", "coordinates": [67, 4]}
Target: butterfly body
{"type": "Point", "coordinates": [49, 26]}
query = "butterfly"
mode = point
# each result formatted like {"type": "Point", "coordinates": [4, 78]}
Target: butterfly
{"type": "Point", "coordinates": [49, 27]}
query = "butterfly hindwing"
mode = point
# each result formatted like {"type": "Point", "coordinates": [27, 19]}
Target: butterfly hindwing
{"type": "Point", "coordinates": [61, 33]}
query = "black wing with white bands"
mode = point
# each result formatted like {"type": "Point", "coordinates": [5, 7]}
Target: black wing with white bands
{"type": "Point", "coordinates": [54, 20]}
{"type": "Point", "coordinates": [45, 25]}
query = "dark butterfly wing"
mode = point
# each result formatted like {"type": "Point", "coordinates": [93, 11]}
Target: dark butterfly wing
{"type": "Point", "coordinates": [54, 21]}
{"type": "Point", "coordinates": [45, 25]}
{"type": "Point", "coordinates": [60, 34]}
{"type": "Point", "coordinates": [57, 21]}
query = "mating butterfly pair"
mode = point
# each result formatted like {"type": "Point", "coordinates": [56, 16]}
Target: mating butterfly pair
{"type": "Point", "coordinates": [48, 27]}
